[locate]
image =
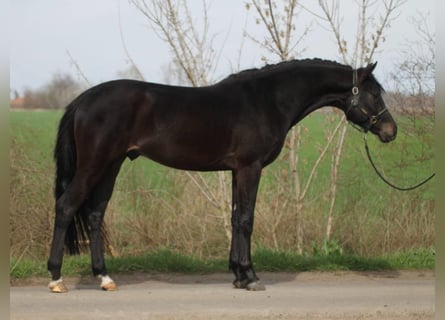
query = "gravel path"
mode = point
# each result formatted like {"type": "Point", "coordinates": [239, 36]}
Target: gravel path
{"type": "Point", "coordinates": [311, 295]}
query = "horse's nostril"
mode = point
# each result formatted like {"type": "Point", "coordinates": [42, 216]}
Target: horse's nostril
{"type": "Point", "coordinates": [388, 131]}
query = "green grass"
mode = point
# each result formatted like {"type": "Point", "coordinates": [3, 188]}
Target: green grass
{"type": "Point", "coordinates": [167, 261]}
{"type": "Point", "coordinates": [413, 259]}
{"type": "Point", "coordinates": [36, 133]}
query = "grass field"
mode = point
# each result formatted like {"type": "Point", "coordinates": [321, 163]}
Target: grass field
{"type": "Point", "coordinates": [156, 207]}
{"type": "Point", "coordinates": [265, 260]}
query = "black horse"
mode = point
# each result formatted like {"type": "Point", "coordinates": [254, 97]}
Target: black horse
{"type": "Point", "coordinates": [238, 124]}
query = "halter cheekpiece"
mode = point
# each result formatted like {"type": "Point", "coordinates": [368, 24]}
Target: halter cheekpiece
{"type": "Point", "coordinates": [373, 119]}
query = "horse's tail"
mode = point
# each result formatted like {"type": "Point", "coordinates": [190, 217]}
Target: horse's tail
{"type": "Point", "coordinates": [66, 157]}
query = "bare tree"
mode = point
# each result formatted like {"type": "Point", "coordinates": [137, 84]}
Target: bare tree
{"type": "Point", "coordinates": [279, 18]}
{"type": "Point", "coordinates": [285, 41]}
{"type": "Point", "coordinates": [414, 74]}
{"type": "Point", "coordinates": [195, 59]}
{"type": "Point", "coordinates": [190, 42]}
{"type": "Point", "coordinates": [374, 19]}
{"type": "Point", "coordinates": [79, 70]}
{"type": "Point", "coordinates": [56, 94]}
{"type": "Point", "coordinates": [131, 72]}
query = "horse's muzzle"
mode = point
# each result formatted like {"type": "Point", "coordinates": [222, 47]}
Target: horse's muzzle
{"type": "Point", "coordinates": [386, 132]}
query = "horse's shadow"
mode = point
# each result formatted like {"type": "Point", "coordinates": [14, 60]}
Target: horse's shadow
{"type": "Point", "coordinates": [268, 278]}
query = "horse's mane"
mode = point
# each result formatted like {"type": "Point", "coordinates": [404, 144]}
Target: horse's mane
{"type": "Point", "coordinates": [281, 66]}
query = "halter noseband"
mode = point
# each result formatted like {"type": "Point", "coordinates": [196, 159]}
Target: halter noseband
{"type": "Point", "coordinates": [373, 119]}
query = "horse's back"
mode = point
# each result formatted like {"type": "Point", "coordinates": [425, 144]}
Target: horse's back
{"type": "Point", "coordinates": [207, 128]}
{"type": "Point", "coordinates": [180, 127]}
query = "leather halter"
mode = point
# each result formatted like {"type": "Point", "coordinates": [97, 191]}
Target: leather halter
{"type": "Point", "coordinates": [371, 120]}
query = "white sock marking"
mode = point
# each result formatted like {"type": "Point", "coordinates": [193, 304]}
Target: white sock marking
{"type": "Point", "coordinates": [53, 283]}
{"type": "Point", "coordinates": [105, 280]}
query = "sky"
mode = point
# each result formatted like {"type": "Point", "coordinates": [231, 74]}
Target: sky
{"type": "Point", "coordinates": [44, 31]}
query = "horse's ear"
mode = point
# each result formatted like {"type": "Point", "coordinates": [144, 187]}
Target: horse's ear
{"type": "Point", "coordinates": [367, 71]}
{"type": "Point", "coordinates": [372, 66]}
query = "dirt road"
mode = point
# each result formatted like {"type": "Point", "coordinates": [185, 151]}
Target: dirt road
{"type": "Point", "coordinates": [341, 295]}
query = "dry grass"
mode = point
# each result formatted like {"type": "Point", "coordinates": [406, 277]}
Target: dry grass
{"type": "Point", "coordinates": [31, 203]}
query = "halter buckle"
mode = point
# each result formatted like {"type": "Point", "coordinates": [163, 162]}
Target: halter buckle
{"type": "Point", "coordinates": [355, 91]}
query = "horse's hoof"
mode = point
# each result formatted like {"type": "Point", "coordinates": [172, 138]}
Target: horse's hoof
{"type": "Point", "coordinates": [240, 284]}
{"type": "Point", "coordinates": [107, 284]}
{"type": "Point", "coordinates": [110, 286]}
{"type": "Point", "coordinates": [57, 286]}
{"type": "Point", "coordinates": [255, 286]}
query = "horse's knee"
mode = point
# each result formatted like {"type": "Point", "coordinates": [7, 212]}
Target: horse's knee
{"type": "Point", "coordinates": [246, 227]}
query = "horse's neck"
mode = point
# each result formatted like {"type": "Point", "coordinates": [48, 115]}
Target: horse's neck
{"type": "Point", "coordinates": [325, 87]}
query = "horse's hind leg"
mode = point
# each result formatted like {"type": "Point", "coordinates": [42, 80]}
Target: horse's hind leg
{"type": "Point", "coordinates": [96, 206]}
{"type": "Point", "coordinates": [66, 207]}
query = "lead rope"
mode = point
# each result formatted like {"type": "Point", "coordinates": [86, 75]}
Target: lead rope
{"type": "Point", "coordinates": [385, 180]}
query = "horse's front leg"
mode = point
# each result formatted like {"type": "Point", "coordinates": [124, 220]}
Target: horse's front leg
{"type": "Point", "coordinates": [234, 247]}
{"type": "Point", "coordinates": [245, 187]}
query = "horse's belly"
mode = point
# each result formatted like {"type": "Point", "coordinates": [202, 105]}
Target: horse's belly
{"type": "Point", "coordinates": [188, 156]}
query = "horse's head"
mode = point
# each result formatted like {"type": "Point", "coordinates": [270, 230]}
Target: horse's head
{"type": "Point", "coordinates": [366, 108]}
